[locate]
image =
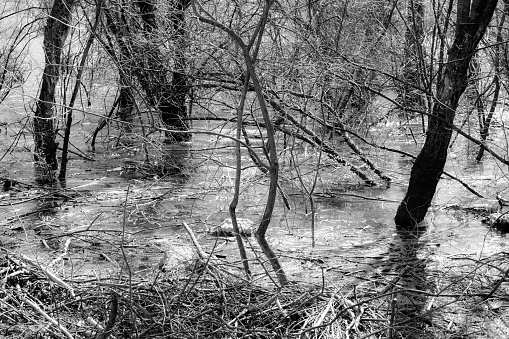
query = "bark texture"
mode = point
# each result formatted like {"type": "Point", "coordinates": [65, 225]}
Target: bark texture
{"type": "Point", "coordinates": [55, 34]}
{"type": "Point", "coordinates": [472, 19]}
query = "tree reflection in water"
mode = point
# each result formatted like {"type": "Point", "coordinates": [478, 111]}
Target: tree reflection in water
{"type": "Point", "coordinates": [406, 304]}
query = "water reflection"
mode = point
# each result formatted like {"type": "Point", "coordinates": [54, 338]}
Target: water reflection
{"type": "Point", "coordinates": [407, 263]}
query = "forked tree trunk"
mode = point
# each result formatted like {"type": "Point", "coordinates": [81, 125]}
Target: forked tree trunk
{"type": "Point", "coordinates": [472, 19]}
{"type": "Point", "coordinates": [55, 33]}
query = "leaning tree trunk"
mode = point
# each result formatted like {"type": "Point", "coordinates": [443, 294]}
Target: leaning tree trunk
{"type": "Point", "coordinates": [55, 33]}
{"type": "Point", "coordinates": [472, 20]}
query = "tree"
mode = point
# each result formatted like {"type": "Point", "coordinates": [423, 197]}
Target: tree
{"type": "Point", "coordinates": [55, 33]}
{"type": "Point", "coordinates": [250, 53]}
{"type": "Point", "coordinates": [472, 19]}
{"type": "Point", "coordinates": [140, 41]}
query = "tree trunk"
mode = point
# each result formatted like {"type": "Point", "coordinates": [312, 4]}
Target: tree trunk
{"type": "Point", "coordinates": [173, 108]}
{"type": "Point", "coordinates": [472, 20]}
{"type": "Point", "coordinates": [125, 103]}
{"type": "Point", "coordinates": [146, 62]}
{"type": "Point", "coordinates": [55, 33]}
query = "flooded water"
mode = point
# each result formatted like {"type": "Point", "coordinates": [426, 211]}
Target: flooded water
{"type": "Point", "coordinates": [120, 214]}
{"type": "Point", "coordinates": [354, 228]}
{"type": "Point", "coordinates": [353, 225]}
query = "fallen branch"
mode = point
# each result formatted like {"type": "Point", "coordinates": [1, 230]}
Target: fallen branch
{"type": "Point", "coordinates": [44, 314]}
{"type": "Point", "coordinates": [356, 149]}
{"type": "Point", "coordinates": [317, 141]}
{"type": "Point", "coordinates": [50, 275]}
{"type": "Point", "coordinates": [201, 253]}
{"type": "Point", "coordinates": [464, 184]}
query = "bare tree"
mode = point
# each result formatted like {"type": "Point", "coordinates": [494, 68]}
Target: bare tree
{"type": "Point", "coordinates": [55, 33]}
{"type": "Point", "coordinates": [140, 39]}
{"type": "Point", "coordinates": [472, 20]}
{"type": "Point", "coordinates": [249, 51]}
